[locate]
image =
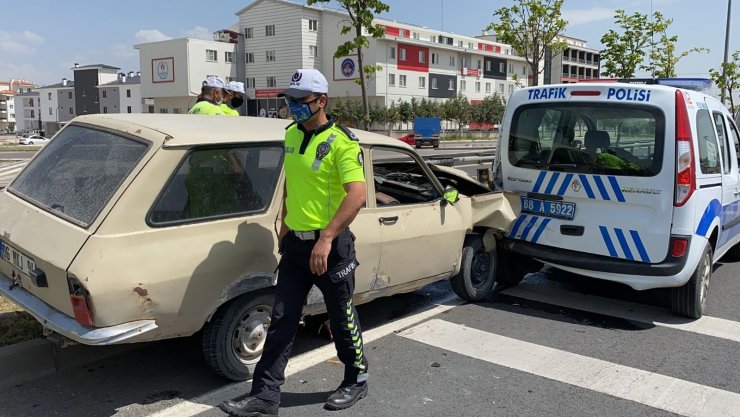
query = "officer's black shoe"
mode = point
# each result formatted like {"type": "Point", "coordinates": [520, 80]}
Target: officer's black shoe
{"type": "Point", "coordinates": [346, 396]}
{"type": "Point", "coordinates": [250, 407]}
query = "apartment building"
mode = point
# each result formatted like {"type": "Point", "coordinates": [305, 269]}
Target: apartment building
{"type": "Point", "coordinates": [122, 95]}
{"type": "Point", "coordinates": [57, 105]}
{"type": "Point", "coordinates": [8, 90]}
{"type": "Point", "coordinates": [576, 62]}
{"type": "Point", "coordinates": [27, 111]}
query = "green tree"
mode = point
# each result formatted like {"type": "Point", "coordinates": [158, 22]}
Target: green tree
{"type": "Point", "coordinates": [356, 114]}
{"type": "Point", "coordinates": [459, 110]}
{"type": "Point", "coordinates": [361, 14]}
{"type": "Point", "coordinates": [338, 110]}
{"type": "Point", "coordinates": [405, 112]}
{"type": "Point", "coordinates": [624, 52]}
{"type": "Point", "coordinates": [531, 27]}
{"type": "Point", "coordinates": [663, 58]}
{"type": "Point", "coordinates": [730, 82]}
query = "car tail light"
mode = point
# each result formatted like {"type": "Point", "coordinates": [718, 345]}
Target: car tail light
{"type": "Point", "coordinates": [679, 248]}
{"type": "Point", "coordinates": [81, 304]}
{"type": "Point", "coordinates": [685, 171]}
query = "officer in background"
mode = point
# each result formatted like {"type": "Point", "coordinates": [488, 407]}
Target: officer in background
{"type": "Point", "coordinates": [324, 191]}
{"type": "Point", "coordinates": [211, 95]}
{"type": "Point", "coordinates": [233, 98]}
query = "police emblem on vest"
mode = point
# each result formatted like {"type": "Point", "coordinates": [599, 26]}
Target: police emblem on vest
{"type": "Point", "coordinates": [322, 150]}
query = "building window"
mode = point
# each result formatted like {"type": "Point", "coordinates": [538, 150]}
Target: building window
{"type": "Point", "coordinates": [393, 52]}
{"type": "Point", "coordinates": [211, 55]}
{"type": "Point", "coordinates": [84, 93]}
{"type": "Point", "coordinates": [151, 109]}
{"type": "Point", "coordinates": [175, 111]}
{"type": "Point", "coordinates": [249, 57]}
{"type": "Point", "coordinates": [105, 94]}
{"type": "Point", "coordinates": [402, 81]}
{"type": "Point", "coordinates": [249, 33]}
{"type": "Point", "coordinates": [489, 66]}
{"type": "Point", "coordinates": [270, 30]}
{"type": "Point", "coordinates": [471, 45]}
{"type": "Point", "coordinates": [422, 57]}
{"type": "Point", "coordinates": [511, 68]}
{"type": "Point", "coordinates": [502, 67]}
{"type": "Point", "coordinates": [415, 35]}
{"type": "Point", "coordinates": [479, 65]}
{"type": "Point", "coordinates": [105, 110]}
{"type": "Point", "coordinates": [70, 95]}
{"type": "Point", "coordinates": [230, 79]}
{"type": "Point", "coordinates": [228, 57]}
{"type": "Point", "coordinates": [402, 54]}
{"type": "Point", "coordinates": [463, 62]}
{"type": "Point", "coordinates": [271, 82]}
{"type": "Point", "coordinates": [163, 111]}
{"type": "Point", "coordinates": [462, 85]}
{"type": "Point", "coordinates": [392, 80]}
{"type": "Point", "coordinates": [451, 85]}
{"type": "Point", "coordinates": [488, 88]}
{"type": "Point", "coordinates": [313, 51]}
{"type": "Point", "coordinates": [404, 33]}
{"type": "Point", "coordinates": [477, 86]}
{"type": "Point", "coordinates": [506, 51]}
{"type": "Point", "coordinates": [511, 89]}
{"type": "Point", "coordinates": [432, 38]}
{"type": "Point", "coordinates": [434, 83]}
{"type": "Point", "coordinates": [313, 25]}
{"type": "Point", "coordinates": [49, 96]}
{"type": "Point", "coordinates": [501, 88]}
{"type": "Point", "coordinates": [524, 70]}
{"type": "Point", "coordinates": [422, 82]}
{"type": "Point", "coordinates": [270, 55]}
{"type": "Point", "coordinates": [128, 92]}
{"type": "Point", "coordinates": [452, 61]}
{"type": "Point", "coordinates": [250, 82]}
{"type": "Point", "coordinates": [50, 112]}
{"type": "Point", "coordinates": [71, 110]}
{"type": "Point", "coordinates": [435, 58]}
{"type": "Point", "coordinates": [460, 44]}
{"type": "Point", "coordinates": [128, 109]}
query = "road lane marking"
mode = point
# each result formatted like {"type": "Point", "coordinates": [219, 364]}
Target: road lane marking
{"type": "Point", "coordinates": [707, 326]}
{"type": "Point", "coordinates": [208, 401]}
{"type": "Point", "coordinates": [648, 388]}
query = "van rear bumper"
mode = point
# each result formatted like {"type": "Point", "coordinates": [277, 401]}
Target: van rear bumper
{"type": "Point", "coordinates": [671, 267]}
{"type": "Point", "coordinates": [68, 327]}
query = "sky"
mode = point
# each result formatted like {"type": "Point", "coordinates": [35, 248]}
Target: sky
{"type": "Point", "coordinates": [42, 42]}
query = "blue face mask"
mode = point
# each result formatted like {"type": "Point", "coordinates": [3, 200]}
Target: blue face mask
{"type": "Point", "coordinates": [301, 111]}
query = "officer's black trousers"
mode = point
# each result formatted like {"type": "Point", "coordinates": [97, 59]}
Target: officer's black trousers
{"type": "Point", "coordinates": [294, 282]}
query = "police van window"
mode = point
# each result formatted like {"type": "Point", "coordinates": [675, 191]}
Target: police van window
{"type": "Point", "coordinates": [216, 183]}
{"type": "Point", "coordinates": [709, 152]}
{"type": "Point", "coordinates": [735, 141]}
{"type": "Point", "coordinates": [724, 140]}
{"type": "Point", "coordinates": [588, 138]}
{"type": "Point", "coordinates": [400, 180]}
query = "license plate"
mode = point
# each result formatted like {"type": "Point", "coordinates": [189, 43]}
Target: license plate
{"type": "Point", "coordinates": [17, 258]}
{"type": "Point", "coordinates": [556, 209]}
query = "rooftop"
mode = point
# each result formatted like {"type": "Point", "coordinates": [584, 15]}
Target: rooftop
{"type": "Point", "coordinates": [95, 66]}
{"type": "Point", "coordinates": [70, 84]}
{"type": "Point", "coordinates": [129, 81]}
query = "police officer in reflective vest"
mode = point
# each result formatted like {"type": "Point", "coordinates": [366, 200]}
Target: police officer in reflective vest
{"type": "Point", "coordinates": [324, 191]}
{"type": "Point", "coordinates": [233, 98]}
{"type": "Point", "coordinates": [211, 94]}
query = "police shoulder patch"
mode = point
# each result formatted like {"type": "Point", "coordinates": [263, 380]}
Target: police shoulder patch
{"type": "Point", "coordinates": [348, 132]}
{"type": "Point", "coordinates": [361, 157]}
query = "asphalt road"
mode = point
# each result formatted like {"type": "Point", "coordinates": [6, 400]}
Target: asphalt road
{"type": "Point", "coordinates": [557, 345]}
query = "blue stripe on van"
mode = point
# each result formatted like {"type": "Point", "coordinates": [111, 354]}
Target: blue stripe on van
{"type": "Point", "coordinates": [517, 225]}
{"type": "Point", "coordinates": [566, 183]}
{"type": "Point", "coordinates": [529, 227]}
{"type": "Point", "coordinates": [640, 247]}
{"type": "Point", "coordinates": [624, 244]}
{"type": "Point", "coordinates": [540, 230]}
{"type": "Point", "coordinates": [710, 213]}
{"type": "Point", "coordinates": [587, 187]}
{"type": "Point", "coordinates": [617, 189]}
{"type": "Point", "coordinates": [608, 241]}
{"type": "Point", "coordinates": [553, 181]}
{"type": "Point", "coordinates": [538, 184]}
{"type": "Point", "coordinates": [602, 188]}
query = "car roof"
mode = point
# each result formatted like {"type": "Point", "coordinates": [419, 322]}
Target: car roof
{"type": "Point", "coordinates": [188, 130]}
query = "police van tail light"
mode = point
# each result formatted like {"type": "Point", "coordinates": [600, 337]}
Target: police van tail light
{"type": "Point", "coordinates": [685, 171]}
{"type": "Point", "coordinates": [81, 304]}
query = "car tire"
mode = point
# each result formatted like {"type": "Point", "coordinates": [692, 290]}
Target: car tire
{"type": "Point", "coordinates": [477, 273]}
{"type": "Point", "coordinates": [234, 337]}
{"type": "Point", "coordinates": [690, 299]}
{"type": "Point", "coordinates": [30, 143]}
{"type": "Point", "coordinates": [512, 268]}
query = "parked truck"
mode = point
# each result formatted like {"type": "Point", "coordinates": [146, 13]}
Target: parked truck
{"type": "Point", "coordinates": [426, 131]}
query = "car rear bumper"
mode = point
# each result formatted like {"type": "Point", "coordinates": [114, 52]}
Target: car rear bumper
{"type": "Point", "coordinates": [671, 272]}
{"type": "Point", "coordinates": [68, 327]}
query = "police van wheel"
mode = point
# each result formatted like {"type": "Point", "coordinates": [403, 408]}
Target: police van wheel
{"type": "Point", "coordinates": [234, 338]}
{"type": "Point", "coordinates": [477, 271]}
{"type": "Point", "coordinates": [690, 300]}
{"type": "Point", "coordinates": [512, 269]}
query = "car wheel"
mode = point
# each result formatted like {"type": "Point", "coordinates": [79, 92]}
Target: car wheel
{"type": "Point", "coordinates": [477, 273]}
{"type": "Point", "coordinates": [30, 143]}
{"type": "Point", "coordinates": [512, 268]}
{"type": "Point", "coordinates": [234, 338]}
{"type": "Point", "coordinates": [690, 299]}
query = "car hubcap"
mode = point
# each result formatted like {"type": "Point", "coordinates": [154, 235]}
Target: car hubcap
{"type": "Point", "coordinates": [250, 334]}
{"type": "Point", "coordinates": [481, 268]}
{"type": "Point", "coordinates": [705, 277]}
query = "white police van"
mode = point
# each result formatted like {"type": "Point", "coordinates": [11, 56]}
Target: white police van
{"type": "Point", "coordinates": [633, 183]}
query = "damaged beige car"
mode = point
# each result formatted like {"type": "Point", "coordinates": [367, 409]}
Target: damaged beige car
{"type": "Point", "coordinates": [132, 228]}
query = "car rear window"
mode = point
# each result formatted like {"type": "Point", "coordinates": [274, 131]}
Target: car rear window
{"type": "Point", "coordinates": [588, 138]}
{"type": "Point", "coordinates": [77, 173]}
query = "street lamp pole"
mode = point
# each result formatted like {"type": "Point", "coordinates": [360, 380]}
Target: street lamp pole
{"type": "Point", "coordinates": [727, 48]}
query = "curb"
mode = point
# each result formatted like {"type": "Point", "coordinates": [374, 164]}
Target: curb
{"type": "Point", "coordinates": [22, 362]}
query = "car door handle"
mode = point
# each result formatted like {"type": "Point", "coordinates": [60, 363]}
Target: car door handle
{"type": "Point", "coordinates": [388, 220]}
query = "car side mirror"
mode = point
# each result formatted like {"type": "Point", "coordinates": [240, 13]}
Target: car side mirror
{"type": "Point", "coordinates": [451, 195]}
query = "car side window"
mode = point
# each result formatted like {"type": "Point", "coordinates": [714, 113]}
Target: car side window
{"type": "Point", "coordinates": [220, 182]}
{"type": "Point", "coordinates": [709, 155]}
{"type": "Point", "coordinates": [736, 141]}
{"type": "Point", "coordinates": [400, 179]}
{"type": "Point", "coordinates": [724, 144]}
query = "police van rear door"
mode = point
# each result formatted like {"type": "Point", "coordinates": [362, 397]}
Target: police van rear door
{"type": "Point", "coordinates": [593, 167]}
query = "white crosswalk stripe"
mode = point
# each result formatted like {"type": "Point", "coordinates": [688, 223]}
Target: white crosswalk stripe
{"type": "Point", "coordinates": [9, 171]}
{"type": "Point", "coordinates": [652, 389]}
